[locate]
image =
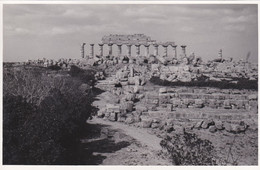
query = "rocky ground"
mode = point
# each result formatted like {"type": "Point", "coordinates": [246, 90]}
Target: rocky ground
{"type": "Point", "coordinates": [116, 143]}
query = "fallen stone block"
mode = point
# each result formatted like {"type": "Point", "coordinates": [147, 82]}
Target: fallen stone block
{"type": "Point", "coordinates": [207, 123]}
{"type": "Point", "coordinates": [146, 123]}
{"type": "Point", "coordinates": [252, 97]}
{"type": "Point", "coordinates": [112, 108]}
{"type": "Point", "coordinates": [176, 102]}
{"type": "Point", "coordinates": [219, 125]}
{"type": "Point", "coordinates": [130, 97]}
{"type": "Point", "coordinates": [121, 119]}
{"type": "Point", "coordinates": [169, 107]}
{"type": "Point", "coordinates": [129, 120]}
{"type": "Point", "coordinates": [212, 129]}
{"type": "Point", "coordinates": [137, 118]}
{"type": "Point", "coordinates": [112, 116]}
{"type": "Point", "coordinates": [163, 90]}
{"type": "Point", "coordinates": [141, 108]}
{"type": "Point", "coordinates": [155, 125]}
{"type": "Point", "coordinates": [198, 124]}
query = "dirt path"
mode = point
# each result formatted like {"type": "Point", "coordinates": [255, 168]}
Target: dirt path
{"type": "Point", "coordinates": [139, 134]}
{"type": "Point", "coordinates": [115, 143]}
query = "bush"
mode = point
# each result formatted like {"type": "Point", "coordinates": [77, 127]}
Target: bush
{"type": "Point", "coordinates": [188, 149]}
{"type": "Point", "coordinates": [43, 119]}
{"type": "Point", "coordinates": [86, 76]}
{"type": "Point", "coordinates": [54, 67]}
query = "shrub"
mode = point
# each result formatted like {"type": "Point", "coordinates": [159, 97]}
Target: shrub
{"type": "Point", "coordinates": [188, 149]}
{"type": "Point", "coordinates": [43, 117]}
{"type": "Point", "coordinates": [54, 67]}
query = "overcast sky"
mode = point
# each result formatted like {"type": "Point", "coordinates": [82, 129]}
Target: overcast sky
{"type": "Point", "coordinates": [56, 31]}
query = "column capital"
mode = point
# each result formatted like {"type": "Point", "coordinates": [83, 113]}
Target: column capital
{"type": "Point", "coordinates": [109, 44]}
{"type": "Point", "coordinates": [147, 45]}
{"type": "Point", "coordinates": [183, 46]}
{"type": "Point", "coordinates": [174, 46]}
{"type": "Point", "coordinates": [165, 45]}
{"type": "Point", "coordinates": [155, 45]}
{"type": "Point", "coordinates": [137, 45]}
{"type": "Point", "coordinates": [119, 44]}
{"type": "Point", "coordinates": [101, 44]}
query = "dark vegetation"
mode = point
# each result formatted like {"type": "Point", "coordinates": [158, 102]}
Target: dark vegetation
{"type": "Point", "coordinates": [44, 114]}
{"type": "Point", "coordinates": [242, 83]}
{"type": "Point", "coordinates": [189, 149]}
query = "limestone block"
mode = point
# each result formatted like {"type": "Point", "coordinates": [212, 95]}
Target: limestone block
{"type": "Point", "coordinates": [163, 90]}
{"type": "Point", "coordinates": [100, 114]}
{"type": "Point", "coordinates": [131, 80]}
{"type": "Point", "coordinates": [207, 123]}
{"type": "Point", "coordinates": [212, 103]}
{"type": "Point", "coordinates": [146, 122]}
{"type": "Point", "coordinates": [240, 104]}
{"type": "Point", "coordinates": [228, 127]}
{"type": "Point", "coordinates": [140, 96]}
{"type": "Point", "coordinates": [153, 113]}
{"type": "Point", "coordinates": [212, 129]}
{"type": "Point", "coordinates": [252, 97]}
{"type": "Point", "coordinates": [219, 125]}
{"type": "Point", "coordinates": [129, 120]}
{"type": "Point", "coordinates": [169, 107]}
{"type": "Point", "coordinates": [121, 119]}
{"type": "Point", "coordinates": [112, 108]}
{"type": "Point", "coordinates": [137, 80]}
{"type": "Point", "coordinates": [176, 102]}
{"type": "Point", "coordinates": [112, 116]}
{"type": "Point", "coordinates": [199, 103]}
{"type": "Point", "coordinates": [227, 104]}
{"type": "Point", "coordinates": [137, 118]}
{"type": "Point", "coordinates": [155, 125]}
{"type": "Point", "coordinates": [198, 124]}
{"type": "Point", "coordinates": [130, 97]}
{"type": "Point", "coordinates": [140, 109]}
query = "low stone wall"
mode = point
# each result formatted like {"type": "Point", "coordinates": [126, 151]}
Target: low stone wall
{"type": "Point", "coordinates": [204, 97]}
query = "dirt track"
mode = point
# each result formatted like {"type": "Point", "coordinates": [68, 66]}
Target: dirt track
{"type": "Point", "coordinates": [118, 144]}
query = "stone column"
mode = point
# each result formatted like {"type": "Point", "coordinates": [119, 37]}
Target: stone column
{"type": "Point", "coordinates": [174, 51]}
{"type": "Point", "coordinates": [82, 50]}
{"type": "Point", "coordinates": [110, 52]}
{"type": "Point", "coordinates": [183, 50]}
{"type": "Point", "coordinates": [91, 50]}
{"type": "Point", "coordinates": [147, 50]}
{"type": "Point", "coordinates": [119, 49]}
{"type": "Point", "coordinates": [220, 54]}
{"type": "Point", "coordinates": [137, 50]}
{"type": "Point", "coordinates": [129, 50]}
{"type": "Point", "coordinates": [165, 54]}
{"type": "Point", "coordinates": [156, 49]}
{"type": "Point", "coordinates": [100, 50]}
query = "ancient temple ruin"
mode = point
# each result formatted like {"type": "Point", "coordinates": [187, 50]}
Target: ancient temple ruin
{"type": "Point", "coordinates": [135, 40]}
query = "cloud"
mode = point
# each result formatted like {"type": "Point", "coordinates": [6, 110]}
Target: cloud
{"type": "Point", "coordinates": [239, 28]}
{"type": "Point", "coordinates": [188, 24]}
{"type": "Point", "coordinates": [187, 29]}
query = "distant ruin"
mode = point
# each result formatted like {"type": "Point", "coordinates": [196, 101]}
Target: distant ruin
{"type": "Point", "coordinates": [130, 41]}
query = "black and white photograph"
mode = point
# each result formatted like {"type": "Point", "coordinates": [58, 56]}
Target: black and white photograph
{"type": "Point", "coordinates": [130, 83]}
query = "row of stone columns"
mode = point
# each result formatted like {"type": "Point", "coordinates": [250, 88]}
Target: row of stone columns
{"type": "Point", "coordinates": [156, 51]}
